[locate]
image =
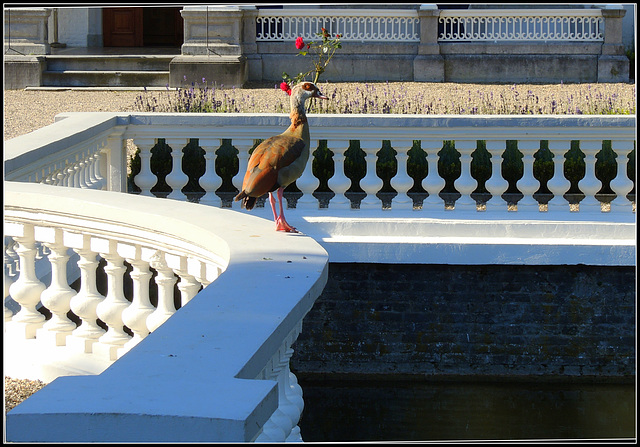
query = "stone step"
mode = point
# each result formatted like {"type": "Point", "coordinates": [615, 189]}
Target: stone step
{"type": "Point", "coordinates": [108, 62]}
{"type": "Point", "coordinates": [118, 70]}
{"type": "Point", "coordinates": [111, 78]}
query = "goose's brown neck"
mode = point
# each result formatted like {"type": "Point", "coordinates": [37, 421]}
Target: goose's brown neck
{"type": "Point", "coordinates": [297, 115]}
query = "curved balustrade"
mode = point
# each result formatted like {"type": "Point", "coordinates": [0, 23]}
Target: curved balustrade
{"type": "Point", "coordinates": [222, 338]}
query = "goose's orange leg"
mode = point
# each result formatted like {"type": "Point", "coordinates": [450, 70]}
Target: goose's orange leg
{"type": "Point", "coordinates": [281, 223]}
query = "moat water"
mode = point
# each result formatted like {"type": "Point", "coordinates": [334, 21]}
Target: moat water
{"type": "Point", "coordinates": [410, 411]}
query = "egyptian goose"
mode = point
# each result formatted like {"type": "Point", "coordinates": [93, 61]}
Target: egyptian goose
{"type": "Point", "coordinates": [278, 161]}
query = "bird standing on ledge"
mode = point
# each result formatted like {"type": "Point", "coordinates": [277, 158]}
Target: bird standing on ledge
{"type": "Point", "coordinates": [278, 161]}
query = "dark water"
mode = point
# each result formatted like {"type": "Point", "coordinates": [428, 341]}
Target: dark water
{"type": "Point", "coordinates": [406, 411]}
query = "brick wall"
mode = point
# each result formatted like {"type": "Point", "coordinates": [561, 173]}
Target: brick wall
{"type": "Point", "coordinates": [442, 320]}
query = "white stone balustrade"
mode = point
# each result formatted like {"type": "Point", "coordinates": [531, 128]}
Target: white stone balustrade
{"type": "Point", "coordinates": [430, 131]}
{"type": "Point", "coordinates": [181, 241]}
{"type": "Point", "coordinates": [58, 148]}
{"type": "Point", "coordinates": [517, 25]}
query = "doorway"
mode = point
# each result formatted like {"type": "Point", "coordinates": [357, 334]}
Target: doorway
{"type": "Point", "coordinates": [142, 27]}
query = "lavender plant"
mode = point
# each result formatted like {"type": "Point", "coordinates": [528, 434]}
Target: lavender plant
{"type": "Point", "coordinates": [397, 98]}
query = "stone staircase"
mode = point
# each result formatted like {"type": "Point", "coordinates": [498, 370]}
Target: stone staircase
{"type": "Point", "coordinates": [107, 70]}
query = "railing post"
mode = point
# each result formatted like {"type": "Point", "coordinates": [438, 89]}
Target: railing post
{"type": "Point", "coordinates": [27, 289]}
{"type": "Point", "coordinates": [496, 185]}
{"type": "Point", "coordinates": [165, 282]}
{"type": "Point", "coordinates": [339, 182]}
{"type": "Point", "coordinates": [275, 429]}
{"type": "Point", "coordinates": [57, 297]}
{"type": "Point", "coordinates": [177, 179]}
{"type": "Point", "coordinates": [621, 185]}
{"type": "Point", "coordinates": [112, 168]}
{"type": "Point", "coordinates": [188, 284]}
{"type": "Point", "coordinates": [558, 185]}
{"type": "Point", "coordinates": [432, 183]}
{"type": "Point", "coordinates": [9, 274]}
{"type": "Point", "coordinates": [589, 184]}
{"type": "Point", "coordinates": [402, 182]}
{"type": "Point", "coordinates": [371, 183]}
{"type": "Point", "coordinates": [85, 302]}
{"type": "Point", "coordinates": [210, 181]}
{"type": "Point", "coordinates": [243, 147]}
{"type": "Point", "coordinates": [145, 180]}
{"type": "Point", "coordinates": [307, 183]}
{"type": "Point", "coordinates": [110, 309]}
{"type": "Point", "coordinates": [135, 316]}
{"type": "Point", "coordinates": [528, 184]}
{"type": "Point", "coordinates": [465, 184]}
{"type": "Point", "coordinates": [292, 390]}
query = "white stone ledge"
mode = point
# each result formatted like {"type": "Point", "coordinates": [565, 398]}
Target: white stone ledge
{"type": "Point", "coordinates": [463, 240]}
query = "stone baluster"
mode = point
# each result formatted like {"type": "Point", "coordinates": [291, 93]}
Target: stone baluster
{"type": "Point", "coordinates": [81, 173]}
{"type": "Point", "coordinates": [589, 184]}
{"type": "Point", "coordinates": [177, 179]}
{"type": "Point", "coordinates": [93, 173]}
{"type": "Point", "coordinates": [110, 309]}
{"type": "Point", "coordinates": [292, 390]}
{"type": "Point", "coordinates": [402, 182]}
{"type": "Point", "coordinates": [145, 179]}
{"type": "Point", "coordinates": [528, 184]}
{"type": "Point", "coordinates": [288, 408]}
{"type": "Point", "coordinates": [432, 183]}
{"type": "Point", "coordinates": [243, 147]}
{"type": "Point", "coordinates": [70, 176]}
{"type": "Point", "coordinates": [100, 181]}
{"type": "Point", "coordinates": [210, 181]}
{"type": "Point", "coordinates": [621, 185]}
{"type": "Point", "coordinates": [88, 170]}
{"type": "Point", "coordinates": [85, 302]}
{"type": "Point", "coordinates": [558, 184]}
{"type": "Point", "coordinates": [308, 183]}
{"type": "Point", "coordinates": [371, 183]}
{"type": "Point", "coordinates": [78, 174]}
{"type": "Point", "coordinates": [339, 182]}
{"type": "Point", "coordinates": [8, 275]}
{"type": "Point", "coordinates": [135, 316]}
{"type": "Point", "coordinates": [165, 282]}
{"type": "Point", "coordinates": [59, 177]}
{"type": "Point", "coordinates": [496, 185]}
{"type": "Point", "coordinates": [57, 297]}
{"type": "Point", "coordinates": [27, 289]}
{"type": "Point", "coordinates": [188, 284]}
{"type": "Point", "coordinates": [278, 426]}
{"type": "Point", "coordinates": [465, 184]}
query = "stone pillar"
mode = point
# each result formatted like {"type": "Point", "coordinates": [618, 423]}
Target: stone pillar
{"type": "Point", "coordinates": [428, 66]}
{"type": "Point", "coordinates": [613, 65]}
{"type": "Point", "coordinates": [26, 31]}
{"type": "Point", "coordinates": [212, 48]}
{"type": "Point", "coordinates": [26, 35]}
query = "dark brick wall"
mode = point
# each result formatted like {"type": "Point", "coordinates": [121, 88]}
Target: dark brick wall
{"type": "Point", "coordinates": [495, 321]}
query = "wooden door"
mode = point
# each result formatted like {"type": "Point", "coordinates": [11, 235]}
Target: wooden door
{"type": "Point", "coordinates": [122, 27]}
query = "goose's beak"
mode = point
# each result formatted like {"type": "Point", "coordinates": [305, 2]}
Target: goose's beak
{"type": "Point", "coordinates": [318, 94]}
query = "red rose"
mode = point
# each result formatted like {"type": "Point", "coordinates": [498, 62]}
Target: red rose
{"type": "Point", "coordinates": [285, 87]}
{"type": "Point", "coordinates": [299, 43]}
